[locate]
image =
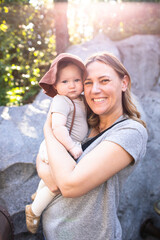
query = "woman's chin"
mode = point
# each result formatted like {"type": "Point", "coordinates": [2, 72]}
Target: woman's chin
{"type": "Point", "coordinates": [99, 112]}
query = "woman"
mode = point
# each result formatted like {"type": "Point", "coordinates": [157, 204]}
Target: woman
{"type": "Point", "coordinates": [86, 207]}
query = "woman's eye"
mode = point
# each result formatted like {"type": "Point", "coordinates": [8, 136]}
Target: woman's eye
{"type": "Point", "coordinates": [87, 83]}
{"type": "Point", "coordinates": [105, 80]}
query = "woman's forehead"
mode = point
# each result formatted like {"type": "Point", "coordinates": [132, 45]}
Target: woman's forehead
{"type": "Point", "coordinates": [100, 69]}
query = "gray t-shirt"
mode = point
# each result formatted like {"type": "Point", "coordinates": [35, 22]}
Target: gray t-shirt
{"type": "Point", "coordinates": [94, 215]}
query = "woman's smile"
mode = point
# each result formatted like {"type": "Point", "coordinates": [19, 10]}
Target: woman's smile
{"type": "Point", "coordinates": [99, 100]}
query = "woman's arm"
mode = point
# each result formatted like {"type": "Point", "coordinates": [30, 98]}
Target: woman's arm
{"type": "Point", "coordinates": [96, 167]}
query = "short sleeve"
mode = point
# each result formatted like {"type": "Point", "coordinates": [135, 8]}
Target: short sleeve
{"type": "Point", "coordinates": [132, 140]}
{"type": "Point", "coordinates": [61, 104]}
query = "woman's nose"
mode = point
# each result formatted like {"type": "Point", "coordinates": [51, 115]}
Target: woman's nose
{"type": "Point", "coordinates": [95, 88]}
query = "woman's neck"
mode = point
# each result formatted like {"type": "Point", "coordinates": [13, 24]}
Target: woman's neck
{"type": "Point", "coordinates": [106, 122]}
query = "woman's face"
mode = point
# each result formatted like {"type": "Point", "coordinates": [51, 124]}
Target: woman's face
{"type": "Point", "coordinates": [103, 89]}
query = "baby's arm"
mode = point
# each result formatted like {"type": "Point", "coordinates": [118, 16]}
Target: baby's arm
{"type": "Point", "coordinates": [61, 133]}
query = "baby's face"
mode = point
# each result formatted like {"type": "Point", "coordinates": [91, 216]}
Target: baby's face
{"type": "Point", "coordinates": [69, 82]}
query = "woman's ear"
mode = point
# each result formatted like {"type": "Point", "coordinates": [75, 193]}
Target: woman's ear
{"type": "Point", "coordinates": [125, 82]}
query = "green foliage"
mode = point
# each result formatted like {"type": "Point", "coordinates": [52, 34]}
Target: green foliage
{"type": "Point", "coordinates": [27, 47]}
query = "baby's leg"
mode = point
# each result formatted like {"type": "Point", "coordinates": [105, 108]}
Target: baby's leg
{"type": "Point", "coordinates": [41, 185]}
{"type": "Point", "coordinates": [43, 198]}
{"type": "Point", "coordinates": [34, 210]}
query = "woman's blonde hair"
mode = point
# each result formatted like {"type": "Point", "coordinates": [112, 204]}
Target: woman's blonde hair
{"type": "Point", "coordinates": [129, 108]}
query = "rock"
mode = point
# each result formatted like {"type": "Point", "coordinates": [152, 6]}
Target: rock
{"type": "Point", "coordinates": [141, 56]}
{"type": "Point", "coordinates": [99, 44]}
{"type": "Point", "coordinates": [21, 131]}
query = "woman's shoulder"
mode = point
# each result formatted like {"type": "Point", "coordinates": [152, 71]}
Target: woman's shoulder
{"type": "Point", "coordinates": [130, 127]}
{"type": "Point", "coordinates": [133, 126]}
{"type": "Point", "coordinates": [131, 135]}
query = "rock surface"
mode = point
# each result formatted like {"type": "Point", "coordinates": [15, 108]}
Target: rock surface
{"type": "Point", "coordinates": [21, 131]}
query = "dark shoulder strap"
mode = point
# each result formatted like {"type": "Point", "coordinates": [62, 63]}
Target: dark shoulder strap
{"type": "Point", "coordinates": [86, 144]}
{"type": "Point", "coordinates": [74, 112]}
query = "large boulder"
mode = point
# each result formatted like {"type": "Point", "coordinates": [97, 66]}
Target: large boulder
{"type": "Point", "coordinates": [21, 131]}
{"type": "Point", "coordinates": [140, 54]}
{"type": "Point", "coordinates": [99, 44]}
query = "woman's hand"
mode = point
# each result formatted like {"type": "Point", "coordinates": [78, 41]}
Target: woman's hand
{"type": "Point", "coordinates": [45, 174]}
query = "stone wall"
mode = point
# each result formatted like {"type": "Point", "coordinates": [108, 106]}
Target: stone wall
{"type": "Point", "coordinates": [21, 131]}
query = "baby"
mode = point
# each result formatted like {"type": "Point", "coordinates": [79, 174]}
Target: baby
{"type": "Point", "coordinates": [63, 82]}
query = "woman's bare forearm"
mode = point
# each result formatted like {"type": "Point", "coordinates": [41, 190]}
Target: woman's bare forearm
{"type": "Point", "coordinates": [60, 161]}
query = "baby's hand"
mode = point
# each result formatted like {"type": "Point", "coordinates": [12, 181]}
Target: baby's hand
{"type": "Point", "coordinates": [43, 157]}
{"type": "Point", "coordinates": [76, 151]}
{"type": "Point", "coordinates": [43, 152]}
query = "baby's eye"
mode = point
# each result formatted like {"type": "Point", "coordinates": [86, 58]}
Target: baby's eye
{"type": "Point", "coordinates": [64, 81]}
{"type": "Point", "coordinates": [77, 80]}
